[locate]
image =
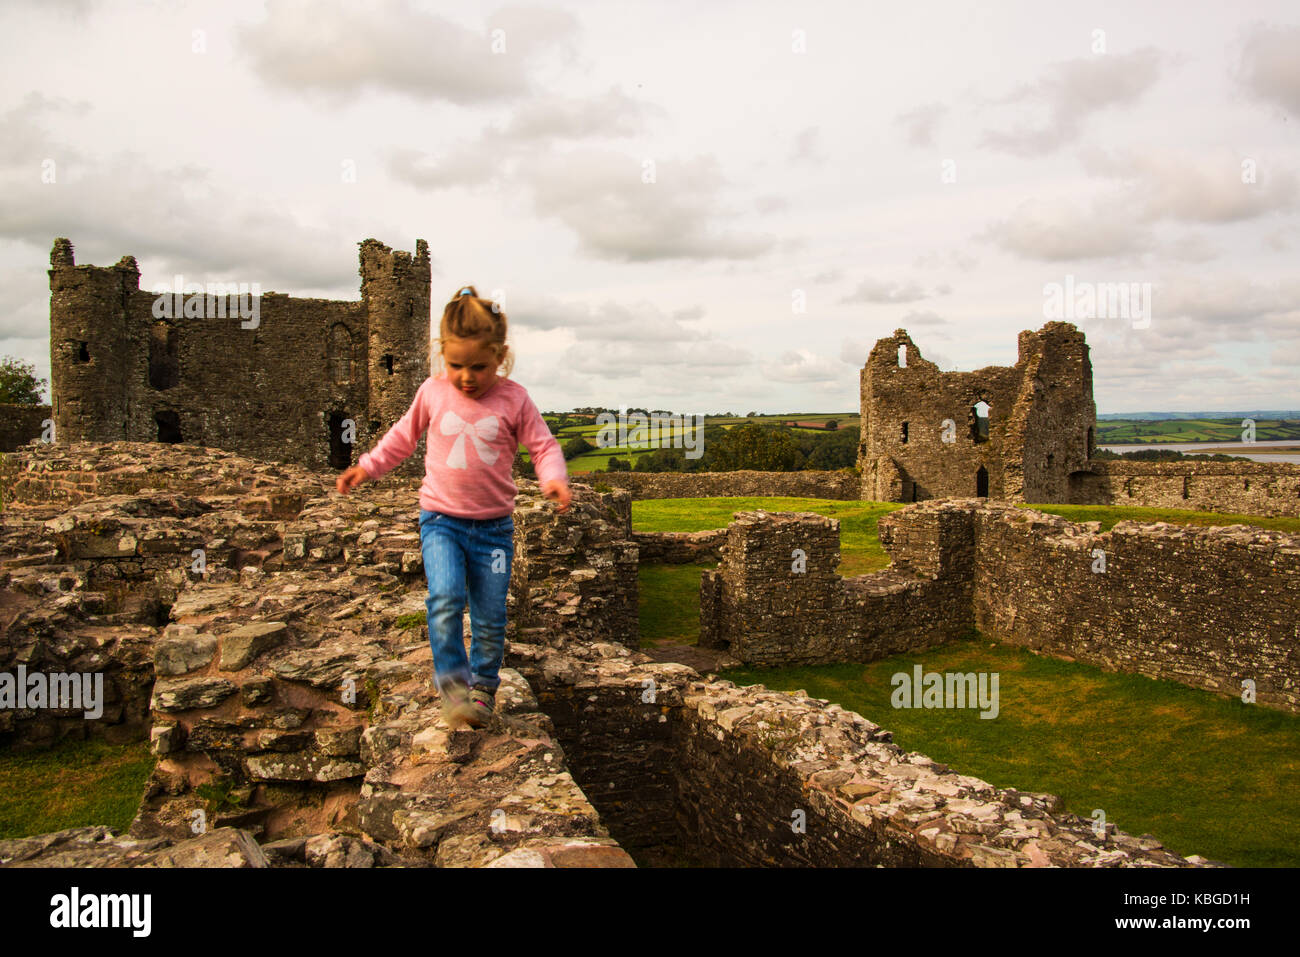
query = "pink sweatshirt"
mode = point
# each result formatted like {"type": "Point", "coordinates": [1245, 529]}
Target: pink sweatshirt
{"type": "Point", "coordinates": [470, 448]}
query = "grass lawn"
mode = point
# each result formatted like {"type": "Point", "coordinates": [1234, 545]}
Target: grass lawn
{"type": "Point", "coordinates": [73, 784]}
{"type": "Point", "coordinates": [1206, 774]}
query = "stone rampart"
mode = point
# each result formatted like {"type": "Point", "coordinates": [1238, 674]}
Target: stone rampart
{"type": "Point", "coordinates": [841, 484]}
{"type": "Point", "coordinates": [1243, 487]}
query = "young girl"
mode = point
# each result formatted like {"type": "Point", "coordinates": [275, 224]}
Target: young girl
{"type": "Point", "coordinates": [475, 420]}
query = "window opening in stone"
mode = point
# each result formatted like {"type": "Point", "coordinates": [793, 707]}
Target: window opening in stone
{"type": "Point", "coordinates": [388, 364]}
{"type": "Point", "coordinates": [164, 362]}
{"type": "Point", "coordinates": [904, 433]}
{"type": "Point", "coordinates": [340, 451]}
{"type": "Point", "coordinates": [979, 428]}
{"type": "Point", "coordinates": [902, 357]}
{"type": "Point", "coordinates": [982, 482]}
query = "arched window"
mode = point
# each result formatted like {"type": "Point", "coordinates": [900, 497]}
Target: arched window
{"type": "Point", "coordinates": [340, 355]}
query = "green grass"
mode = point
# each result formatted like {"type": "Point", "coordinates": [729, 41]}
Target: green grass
{"type": "Point", "coordinates": [860, 550]}
{"type": "Point", "coordinates": [1206, 774]}
{"type": "Point", "coordinates": [1108, 515]}
{"type": "Point", "coordinates": [74, 784]}
{"type": "Point", "coordinates": [669, 603]}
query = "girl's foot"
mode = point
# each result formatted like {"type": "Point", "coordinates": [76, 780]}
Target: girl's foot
{"type": "Point", "coordinates": [482, 703]}
{"type": "Point", "coordinates": [456, 707]}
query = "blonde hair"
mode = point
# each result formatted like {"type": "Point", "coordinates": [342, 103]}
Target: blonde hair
{"type": "Point", "coordinates": [467, 316]}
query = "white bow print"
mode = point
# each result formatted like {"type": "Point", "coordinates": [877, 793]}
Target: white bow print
{"type": "Point", "coordinates": [484, 428]}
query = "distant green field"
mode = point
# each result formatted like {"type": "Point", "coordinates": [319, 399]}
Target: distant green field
{"type": "Point", "coordinates": [1142, 432]}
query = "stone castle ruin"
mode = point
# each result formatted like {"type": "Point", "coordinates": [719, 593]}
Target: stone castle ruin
{"type": "Point", "coordinates": [267, 636]}
{"type": "Point", "coordinates": [286, 688]}
{"type": "Point", "coordinates": [308, 381]}
{"type": "Point", "coordinates": [1011, 433]}
{"type": "Point", "coordinates": [1026, 433]}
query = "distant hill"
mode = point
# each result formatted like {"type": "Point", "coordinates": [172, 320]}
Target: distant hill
{"type": "Point", "coordinates": [1158, 416]}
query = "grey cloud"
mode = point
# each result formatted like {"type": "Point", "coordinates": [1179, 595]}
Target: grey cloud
{"type": "Point", "coordinates": [1164, 185]}
{"type": "Point", "coordinates": [600, 195]}
{"type": "Point", "coordinates": [1059, 230]}
{"type": "Point", "coordinates": [461, 165]}
{"type": "Point", "coordinates": [612, 113]}
{"type": "Point", "coordinates": [855, 352]}
{"type": "Point", "coordinates": [805, 148]}
{"type": "Point", "coordinates": [1073, 90]}
{"type": "Point", "coordinates": [874, 290]}
{"type": "Point", "coordinates": [1270, 65]}
{"type": "Point", "coordinates": [804, 366]}
{"type": "Point", "coordinates": [918, 124]}
{"type": "Point", "coordinates": [341, 50]}
{"type": "Point", "coordinates": [922, 319]}
{"type": "Point", "coordinates": [24, 140]}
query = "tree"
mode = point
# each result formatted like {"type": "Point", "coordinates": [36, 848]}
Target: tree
{"type": "Point", "coordinates": [831, 425]}
{"type": "Point", "coordinates": [575, 447]}
{"type": "Point", "coordinates": [754, 447]}
{"type": "Point", "coordinates": [615, 464]}
{"type": "Point", "coordinates": [18, 382]}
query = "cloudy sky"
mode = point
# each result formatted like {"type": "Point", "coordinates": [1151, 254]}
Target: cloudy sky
{"type": "Point", "coordinates": [696, 206]}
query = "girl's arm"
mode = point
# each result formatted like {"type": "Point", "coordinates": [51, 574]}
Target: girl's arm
{"type": "Point", "coordinates": [400, 441]}
{"type": "Point", "coordinates": [545, 452]}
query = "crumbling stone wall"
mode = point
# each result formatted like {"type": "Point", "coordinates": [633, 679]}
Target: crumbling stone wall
{"type": "Point", "coordinates": [280, 390]}
{"type": "Point", "coordinates": [19, 424]}
{"type": "Point", "coordinates": [776, 599]}
{"type": "Point", "coordinates": [1244, 487]}
{"type": "Point", "coordinates": [744, 776]}
{"type": "Point", "coordinates": [1207, 607]}
{"type": "Point", "coordinates": [681, 548]}
{"type": "Point", "coordinates": [840, 484]}
{"type": "Point", "coordinates": [1039, 424]}
{"type": "Point", "coordinates": [254, 726]}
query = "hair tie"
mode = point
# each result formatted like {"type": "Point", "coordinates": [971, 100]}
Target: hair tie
{"type": "Point", "coordinates": [465, 291]}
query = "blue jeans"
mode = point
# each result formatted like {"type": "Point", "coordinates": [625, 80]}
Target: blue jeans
{"type": "Point", "coordinates": [461, 552]}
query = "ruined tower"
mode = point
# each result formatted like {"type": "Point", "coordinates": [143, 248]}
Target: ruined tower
{"type": "Point", "coordinates": [310, 381]}
{"type": "Point", "coordinates": [1003, 432]}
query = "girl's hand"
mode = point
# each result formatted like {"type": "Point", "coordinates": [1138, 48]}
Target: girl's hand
{"type": "Point", "coordinates": [559, 492]}
{"type": "Point", "coordinates": [351, 479]}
